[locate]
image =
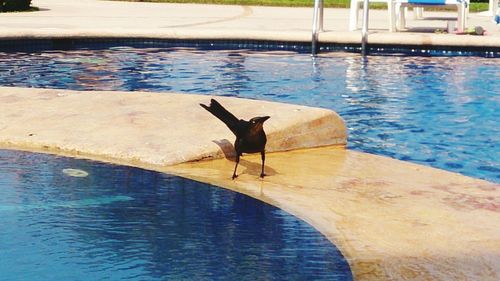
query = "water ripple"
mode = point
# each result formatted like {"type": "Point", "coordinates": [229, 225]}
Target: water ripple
{"type": "Point", "coordinates": [123, 223]}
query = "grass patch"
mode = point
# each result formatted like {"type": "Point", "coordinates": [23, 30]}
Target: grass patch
{"type": "Point", "coordinates": [474, 7]}
{"type": "Point", "coordinates": [276, 3]}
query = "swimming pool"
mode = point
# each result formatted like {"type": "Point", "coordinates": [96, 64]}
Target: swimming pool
{"type": "Point", "coordinates": [437, 111]}
{"type": "Point", "coordinates": [70, 219]}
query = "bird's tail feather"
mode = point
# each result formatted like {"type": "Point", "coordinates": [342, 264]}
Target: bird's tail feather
{"type": "Point", "coordinates": [225, 116]}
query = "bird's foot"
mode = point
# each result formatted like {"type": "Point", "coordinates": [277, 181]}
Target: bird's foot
{"type": "Point", "coordinates": [262, 175]}
{"type": "Point", "coordinates": [234, 176]}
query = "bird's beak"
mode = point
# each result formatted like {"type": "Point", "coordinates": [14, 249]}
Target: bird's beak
{"type": "Point", "coordinates": [263, 119]}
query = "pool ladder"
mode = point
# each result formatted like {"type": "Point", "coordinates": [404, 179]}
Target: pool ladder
{"type": "Point", "coordinates": [318, 26]}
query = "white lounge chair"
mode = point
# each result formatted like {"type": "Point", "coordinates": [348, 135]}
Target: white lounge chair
{"type": "Point", "coordinates": [354, 12]}
{"type": "Point", "coordinates": [400, 23]}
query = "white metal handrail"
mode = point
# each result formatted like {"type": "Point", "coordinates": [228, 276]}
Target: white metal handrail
{"type": "Point", "coordinates": [318, 26]}
{"type": "Point", "coordinates": [364, 29]}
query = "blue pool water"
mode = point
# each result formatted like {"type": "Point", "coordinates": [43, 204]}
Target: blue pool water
{"type": "Point", "coordinates": [123, 223]}
{"type": "Point", "coordinates": [438, 111]}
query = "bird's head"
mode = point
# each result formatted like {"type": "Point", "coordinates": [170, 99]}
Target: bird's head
{"type": "Point", "coordinates": [257, 122]}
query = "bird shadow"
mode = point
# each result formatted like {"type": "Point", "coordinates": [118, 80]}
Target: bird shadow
{"type": "Point", "coordinates": [251, 167]}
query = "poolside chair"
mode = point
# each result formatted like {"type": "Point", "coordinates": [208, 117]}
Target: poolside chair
{"type": "Point", "coordinates": [357, 4]}
{"type": "Point", "coordinates": [354, 12]}
{"type": "Point", "coordinates": [400, 23]}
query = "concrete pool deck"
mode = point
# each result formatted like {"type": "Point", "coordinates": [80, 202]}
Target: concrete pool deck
{"type": "Point", "coordinates": [392, 220]}
{"type": "Point", "coordinates": [104, 19]}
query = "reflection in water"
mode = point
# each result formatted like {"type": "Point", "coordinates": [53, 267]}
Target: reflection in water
{"type": "Point", "coordinates": [126, 223]}
{"type": "Point", "coordinates": [232, 75]}
{"type": "Point", "coordinates": [438, 111]}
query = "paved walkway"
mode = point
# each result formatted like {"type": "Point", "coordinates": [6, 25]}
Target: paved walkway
{"type": "Point", "coordinates": [93, 18]}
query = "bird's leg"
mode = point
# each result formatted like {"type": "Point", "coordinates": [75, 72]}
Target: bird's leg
{"type": "Point", "coordinates": [236, 166]}
{"type": "Point", "coordinates": [263, 157]}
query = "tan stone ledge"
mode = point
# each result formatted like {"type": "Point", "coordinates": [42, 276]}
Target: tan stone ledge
{"type": "Point", "coordinates": [153, 128]}
{"type": "Point", "coordinates": [392, 220]}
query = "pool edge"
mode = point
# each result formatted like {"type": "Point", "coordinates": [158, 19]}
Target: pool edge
{"type": "Point", "coordinates": [379, 44]}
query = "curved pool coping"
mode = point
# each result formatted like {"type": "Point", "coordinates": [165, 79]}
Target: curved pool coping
{"type": "Point", "coordinates": [338, 37]}
{"type": "Point", "coordinates": [392, 220]}
{"type": "Point", "coordinates": [38, 44]}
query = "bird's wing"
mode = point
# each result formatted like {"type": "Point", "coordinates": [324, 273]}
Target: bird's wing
{"type": "Point", "coordinates": [225, 116]}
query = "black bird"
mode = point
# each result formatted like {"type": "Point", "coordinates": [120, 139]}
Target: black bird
{"type": "Point", "coordinates": [250, 135]}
